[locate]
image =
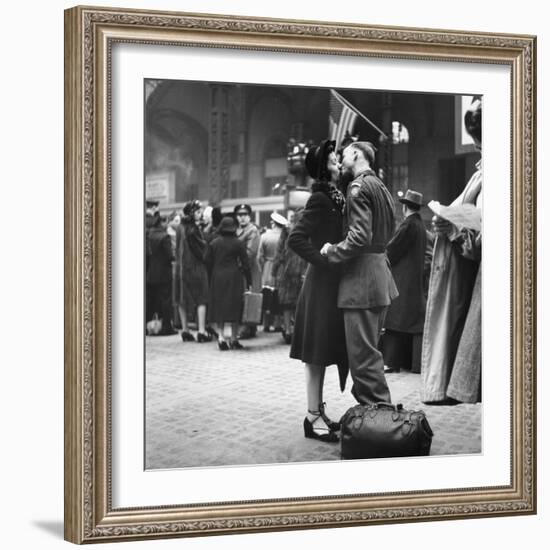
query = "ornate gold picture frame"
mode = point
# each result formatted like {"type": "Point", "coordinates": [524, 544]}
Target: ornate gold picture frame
{"type": "Point", "coordinates": [90, 35]}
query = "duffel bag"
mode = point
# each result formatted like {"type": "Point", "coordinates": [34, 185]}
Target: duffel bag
{"type": "Point", "coordinates": [384, 430]}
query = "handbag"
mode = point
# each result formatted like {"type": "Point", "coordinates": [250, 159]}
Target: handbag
{"type": "Point", "coordinates": [384, 430]}
{"type": "Point", "coordinates": [154, 326]}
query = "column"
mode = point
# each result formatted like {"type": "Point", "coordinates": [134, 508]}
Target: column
{"type": "Point", "coordinates": [218, 143]}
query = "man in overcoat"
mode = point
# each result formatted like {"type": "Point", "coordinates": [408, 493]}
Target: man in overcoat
{"type": "Point", "coordinates": [366, 285]}
{"type": "Point", "coordinates": [402, 340]}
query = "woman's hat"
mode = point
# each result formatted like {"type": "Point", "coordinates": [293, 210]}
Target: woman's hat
{"type": "Point", "coordinates": [191, 207]}
{"type": "Point", "coordinates": [412, 198]}
{"type": "Point", "coordinates": [278, 219]}
{"type": "Point", "coordinates": [227, 226]}
{"type": "Point", "coordinates": [316, 159]}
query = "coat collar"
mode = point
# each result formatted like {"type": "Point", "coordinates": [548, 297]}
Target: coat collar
{"type": "Point", "coordinates": [367, 172]}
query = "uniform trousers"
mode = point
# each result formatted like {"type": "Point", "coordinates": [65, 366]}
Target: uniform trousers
{"type": "Point", "coordinates": [366, 364]}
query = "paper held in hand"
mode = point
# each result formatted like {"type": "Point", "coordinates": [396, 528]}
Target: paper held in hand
{"type": "Point", "coordinates": [466, 216]}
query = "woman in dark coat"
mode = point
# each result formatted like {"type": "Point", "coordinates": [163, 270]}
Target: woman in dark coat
{"type": "Point", "coordinates": [319, 338]}
{"type": "Point", "coordinates": [402, 341]}
{"type": "Point", "coordinates": [228, 262]}
{"type": "Point", "coordinates": [191, 272]}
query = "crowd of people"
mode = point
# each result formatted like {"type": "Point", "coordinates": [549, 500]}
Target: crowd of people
{"type": "Point", "coordinates": [199, 264]}
{"type": "Point", "coordinates": [342, 283]}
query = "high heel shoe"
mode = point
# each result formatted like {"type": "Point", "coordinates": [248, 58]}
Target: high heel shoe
{"type": "Point", "coordinates": [203, 337]}
{"type": "Point", "coordinates": [211, 332]}
{"type": "Point", "coordinates": [186, 336]}
{"type": "Point", "coordinates": [334, 426]}
{"type": "Point", "coordinates": [222, 345]}
{"type": "Point", "coordinates": [321, 433]}
{"type": "Point", "coordinates": [235, 344]}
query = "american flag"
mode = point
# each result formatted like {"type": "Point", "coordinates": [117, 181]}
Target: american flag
{"type": "Point", "coordinates": [341, 118]}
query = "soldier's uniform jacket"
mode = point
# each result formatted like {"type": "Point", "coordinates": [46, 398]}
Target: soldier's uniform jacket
{"type": "Point", "coordinates": [366, 280]}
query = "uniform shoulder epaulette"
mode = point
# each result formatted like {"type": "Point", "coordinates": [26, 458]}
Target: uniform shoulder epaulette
{"type": "Point", "coordinates": [355, 186]}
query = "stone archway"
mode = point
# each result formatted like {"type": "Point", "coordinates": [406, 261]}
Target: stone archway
{"type": "Point", "coordinates": [176, 143]}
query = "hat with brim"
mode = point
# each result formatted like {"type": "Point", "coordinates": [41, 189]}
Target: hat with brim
{"type": "Point", "coordinates": [278, 219]}
{"type": "Point", "coordinates": [412, 198]}
{"type": "Point", "coordinates": [317, 157]}
{"type": "Point", "coordinates": [227, 226]}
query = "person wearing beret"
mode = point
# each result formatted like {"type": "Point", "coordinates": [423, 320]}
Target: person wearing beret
{"type": "Point", "coordinates": [402, 340]}
{"type": "Point", "coordinates": [192, 295]}
{"type": "Point", "coordinates": [319, 338]}
{"type": "Point", "coordinates": [367, 287]}
{"type": "Point", "coordinates": [229, 270]}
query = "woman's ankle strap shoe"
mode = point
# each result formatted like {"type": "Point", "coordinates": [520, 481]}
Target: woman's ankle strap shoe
{"type": "Point", "coordinates": [334, 426]}
{"type": "Point", "coordinates": [324, 434]}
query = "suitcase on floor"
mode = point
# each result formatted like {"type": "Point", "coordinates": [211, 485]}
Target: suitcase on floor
{"type": "Point", "coordinates": [384, 430]}
{"type": "Point", "coordinates": [252, 308]}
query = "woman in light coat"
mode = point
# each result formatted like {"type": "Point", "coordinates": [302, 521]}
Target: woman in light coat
{"type": "Point", "coordinates": [451, 347]}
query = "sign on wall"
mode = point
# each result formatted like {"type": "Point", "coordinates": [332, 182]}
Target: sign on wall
{"type": "Point", "coordinates": [160, 187]}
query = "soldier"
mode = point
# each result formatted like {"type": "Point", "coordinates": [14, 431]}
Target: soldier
{"type": "Point", "coordinates": [366, 285]}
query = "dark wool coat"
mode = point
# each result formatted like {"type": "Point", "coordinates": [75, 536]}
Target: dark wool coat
{"type": "Point", "coordinates": [406, 252]}
{"type": "Point", "coordinates": [228, 262]}
{"type": "Point", "coordinates": [160, 256]}
{"type": "Point", "coordinates": [192, 290]}
{"type": "Point", "coordinates": [319, 336]}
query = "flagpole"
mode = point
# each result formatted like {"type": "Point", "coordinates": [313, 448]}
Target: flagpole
{"type": "Point", "coordinates": [355, 110]}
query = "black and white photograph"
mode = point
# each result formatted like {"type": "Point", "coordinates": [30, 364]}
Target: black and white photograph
{"type": "Point", "coordinates": [275, 312]}
{"type": "Point", "coordinates": [313, 274]}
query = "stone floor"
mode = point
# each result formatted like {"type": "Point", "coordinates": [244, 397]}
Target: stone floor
{"type": "Point", "coordinates": [210, 408]}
